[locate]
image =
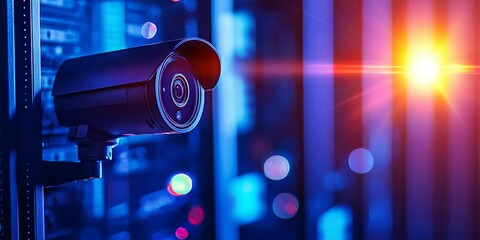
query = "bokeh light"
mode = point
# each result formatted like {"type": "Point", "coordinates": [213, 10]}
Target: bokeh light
{"type": "Point", "coordinates": [181, 233]}
{"type": "Point", "coordinates": [360, 160]}
{"type": "Point", "coordinates": [247, 199]}
{"type": "Point", "coordinates": [285, 205]}
{"type": "Point", "coordinates": [276, 167]}
{"type": "Point", "coordinates": [196, 215]}
{"type": "Point", "coordinates": [180, 184]}
{"type": "Point", "coordinates": [149, 30]}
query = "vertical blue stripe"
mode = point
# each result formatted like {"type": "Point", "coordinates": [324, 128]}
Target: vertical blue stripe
{"type": "Point", "coordinates": [11, 108]}
{"type": "Point", "coordinates": [318, 108]}
{"type": "Point", "coordinates": [113, 36]}
{"type": "Point", "coordinates": [377, 115]}
{"type": "Point", "coordinates": [225, 129]}
{"type": "Point", "coordinates": [36, 94]}
{"type": "Point", "coordinates": [98, 196]}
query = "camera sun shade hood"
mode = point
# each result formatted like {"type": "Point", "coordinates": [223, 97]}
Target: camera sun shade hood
{"type": "Point", "coordinates": [135, 65]}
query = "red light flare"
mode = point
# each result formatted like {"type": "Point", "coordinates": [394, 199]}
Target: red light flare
{"type": "Point", "coordinates": [285, 68]}
{"type": "Point", "coordinates": [170, 190]}
{"type": "Point", "coordinates": [278, 69]}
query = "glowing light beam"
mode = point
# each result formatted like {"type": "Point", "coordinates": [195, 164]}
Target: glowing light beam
{"type": "Point", "coordinates": [273, 69]}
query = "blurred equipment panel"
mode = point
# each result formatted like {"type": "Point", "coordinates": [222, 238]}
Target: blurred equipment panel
{"type": "Point", "coordinates": [259, 182]}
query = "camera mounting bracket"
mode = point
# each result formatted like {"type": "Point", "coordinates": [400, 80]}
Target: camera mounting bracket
{"type": "Point", "coordinates": [93, 148]}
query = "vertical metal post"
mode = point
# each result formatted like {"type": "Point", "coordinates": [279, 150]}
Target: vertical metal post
{"type": "Point", "coordinates": [28, 118]}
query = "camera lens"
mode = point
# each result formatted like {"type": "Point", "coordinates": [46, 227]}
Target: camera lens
{"type": "Point", "coordinates": [179, 95]}
{"type": "Point", "coordinates": [179, 90]}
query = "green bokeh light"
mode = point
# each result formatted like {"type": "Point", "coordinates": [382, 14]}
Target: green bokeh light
{"type": "Point", "coordinates": [181, 184]}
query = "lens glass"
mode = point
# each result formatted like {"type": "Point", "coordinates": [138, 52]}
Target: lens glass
{"type": "Point", "coordinates": [179, 90]}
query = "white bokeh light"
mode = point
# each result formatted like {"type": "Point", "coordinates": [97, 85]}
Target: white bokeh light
{"type": "Point", "coordinates": [276, 167]}
{"type": "Point", "coordinates": [149, 30]}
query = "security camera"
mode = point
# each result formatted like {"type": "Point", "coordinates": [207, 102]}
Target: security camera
{"type": "Point", "coordinates": [153, 89]}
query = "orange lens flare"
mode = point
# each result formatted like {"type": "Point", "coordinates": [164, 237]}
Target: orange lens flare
{"type": "Point", "coordinates": [274, 69]}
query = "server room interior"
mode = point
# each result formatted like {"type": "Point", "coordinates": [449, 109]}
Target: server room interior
{"type": "Point", "coordinates": [324, 124]}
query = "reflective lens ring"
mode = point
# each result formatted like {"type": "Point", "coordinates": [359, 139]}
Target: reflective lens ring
{"type": "Point", "coordinates": [179, 90]}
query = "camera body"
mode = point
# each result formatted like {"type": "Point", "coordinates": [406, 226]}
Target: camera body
{"type": "Point", "coordinates": [152, 89]}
